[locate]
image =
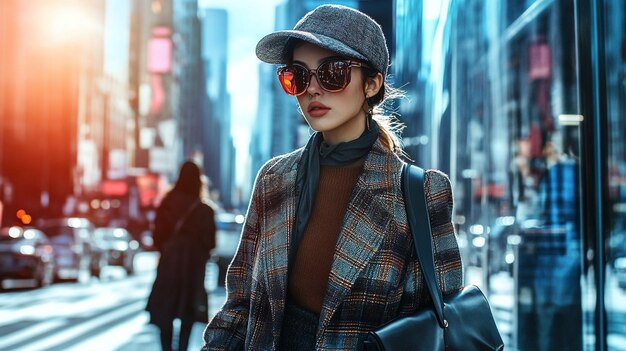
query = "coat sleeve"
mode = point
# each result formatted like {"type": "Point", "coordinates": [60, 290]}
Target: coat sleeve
{"type": "Point", "coordinates": [448, 267]}
{"type": "Point", "coordinates": [227, 330]}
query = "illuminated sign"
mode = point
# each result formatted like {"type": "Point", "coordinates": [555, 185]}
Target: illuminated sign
{"type": "Point", "coordinates": [160, 51]}
{"type": "Point", "coordinates": [114, 187]}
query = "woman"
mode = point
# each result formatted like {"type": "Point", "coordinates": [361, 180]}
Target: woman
{"type": "Point", "coordinates": [184, 235]}
{"type": "Point", "coordinates": [326, 253]}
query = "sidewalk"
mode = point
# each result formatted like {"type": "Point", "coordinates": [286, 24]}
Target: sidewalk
{"type": "Point", "coordinates": [216, 300]}
{"type": "Point", "coordinates": [500, 296]}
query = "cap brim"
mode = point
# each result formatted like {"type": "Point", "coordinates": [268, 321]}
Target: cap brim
{"type": "Point", "coordinates": [272, 48]}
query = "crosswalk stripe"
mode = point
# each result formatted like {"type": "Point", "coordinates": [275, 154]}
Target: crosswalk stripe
{"type": "Point", "coordinates": [76, 331]}
{"type": "Point", "coordinates": [116, 337]}
{"type": "Point", "coordinates": [30, 332]}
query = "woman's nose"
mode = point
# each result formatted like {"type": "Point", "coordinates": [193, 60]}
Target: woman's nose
{"type": "Point", "coordinates": [314, 86]}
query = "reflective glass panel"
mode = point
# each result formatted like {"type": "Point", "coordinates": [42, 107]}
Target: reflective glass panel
{"type": "Point", "coordinates": [517, 184]}
{"type": "Point", "coordinates": [615, 80]}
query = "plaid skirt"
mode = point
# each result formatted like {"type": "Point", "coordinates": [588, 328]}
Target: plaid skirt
{"type": "Point", "coordinates": [299, 329]}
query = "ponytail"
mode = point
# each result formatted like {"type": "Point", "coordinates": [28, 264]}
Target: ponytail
{"type": "Point", "coordinates": [390, 126]}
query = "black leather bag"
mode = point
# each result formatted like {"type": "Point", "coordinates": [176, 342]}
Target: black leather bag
{"type": "Point", "coordinates": [462, 321]}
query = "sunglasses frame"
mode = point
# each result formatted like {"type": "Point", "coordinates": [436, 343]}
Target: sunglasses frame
{"type": "Point", "coordinates": [312, 72]}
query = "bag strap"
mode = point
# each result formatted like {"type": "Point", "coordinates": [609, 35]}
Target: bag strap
{"type": "Point", "coordinates": [183, 219]}
{"type": "Point", "coordinates": [419, 222]}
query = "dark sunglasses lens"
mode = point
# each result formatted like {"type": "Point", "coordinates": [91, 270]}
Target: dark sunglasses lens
{"type": "Point", "coordinates": [293, 79]}
{"type": "Point", "coordinates": [334, 75]}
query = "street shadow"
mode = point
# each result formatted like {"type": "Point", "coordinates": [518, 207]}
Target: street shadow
{"type": "Point", "coordinates": [147, 339]}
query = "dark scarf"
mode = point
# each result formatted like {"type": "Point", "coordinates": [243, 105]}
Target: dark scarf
{"type": "Point", "coordinates": [318, 153]}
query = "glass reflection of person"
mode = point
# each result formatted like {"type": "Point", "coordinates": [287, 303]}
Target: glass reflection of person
{"type": "Point", "coordinates": [326, 254]}
{"type": "Point", "coordinates": [557, 269]}
{"type": "Point", "coordinates": [558, 188]}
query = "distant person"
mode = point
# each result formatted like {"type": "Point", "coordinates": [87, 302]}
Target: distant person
{"type": "Point", "coordinates": [184, 235]}
{"type": "Point", "coordinates": [326, 254]}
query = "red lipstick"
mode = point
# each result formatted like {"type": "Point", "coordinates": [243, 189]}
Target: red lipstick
{"type": "Point", "coordinates": [317, 109]}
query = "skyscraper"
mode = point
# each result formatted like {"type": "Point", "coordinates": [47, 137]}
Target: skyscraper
{"type": "Point", "coordinates": [219, 153]}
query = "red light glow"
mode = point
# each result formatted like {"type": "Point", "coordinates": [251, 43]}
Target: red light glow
{"type": "Point", "coordinates": [114, 187]}
{"type": "Point", "coordinates": [26, 219]}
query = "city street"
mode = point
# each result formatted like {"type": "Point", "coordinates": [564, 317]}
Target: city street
{"type": "Point", "coordinates": [120, 120]}
{"type": "Point", "coordinates": [103, 315]}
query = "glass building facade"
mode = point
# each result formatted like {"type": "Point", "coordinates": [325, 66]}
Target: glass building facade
{"type": "Point", "coordinates": [523, 104]}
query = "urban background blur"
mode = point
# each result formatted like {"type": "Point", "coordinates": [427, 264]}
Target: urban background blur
{"type": "Point", "coordinates": [521, 102]}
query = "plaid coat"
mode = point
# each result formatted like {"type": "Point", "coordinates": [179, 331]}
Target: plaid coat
{"type": "Point", "coordinates": [374, 278]}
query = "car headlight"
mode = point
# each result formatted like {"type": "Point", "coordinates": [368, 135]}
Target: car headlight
{"type": "Point", "coordinates": [27, 250]}
{"type": "Point", "coordinates": [134, 245]}
{"type": "Point", "coordinates": [121, 246]}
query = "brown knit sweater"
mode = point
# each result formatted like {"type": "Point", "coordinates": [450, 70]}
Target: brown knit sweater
{"type": "Point", "coordinates": [309, 275]}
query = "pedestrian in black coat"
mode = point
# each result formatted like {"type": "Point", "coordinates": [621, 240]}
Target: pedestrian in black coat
{"type": "Point", "coordinates": [184, 235]}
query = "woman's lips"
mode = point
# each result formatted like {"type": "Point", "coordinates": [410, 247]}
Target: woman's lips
{"type": "Point", "coordinates": [317, 109]}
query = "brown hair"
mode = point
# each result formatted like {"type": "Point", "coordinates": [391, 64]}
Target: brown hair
{"type": "Point", "coordinates": [390, 126]}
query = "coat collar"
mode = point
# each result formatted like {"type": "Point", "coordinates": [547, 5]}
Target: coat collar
{"type": "Point", "coordinates": [366, 220]}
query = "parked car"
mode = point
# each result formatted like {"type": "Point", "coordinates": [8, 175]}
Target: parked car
{"type": "Point", "coordinates": [118, 246]}
{"type": "Point", "coordinates": [74, 249]}
{"type": "Point", "coordinates": [25, 256]}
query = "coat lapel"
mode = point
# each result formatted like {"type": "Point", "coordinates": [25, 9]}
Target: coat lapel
{"type": "Point", "coordinates": [366, 221]}
{"type": "Point", "coordinates": [280, 208]}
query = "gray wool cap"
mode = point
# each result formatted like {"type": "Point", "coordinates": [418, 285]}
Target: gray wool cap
{"type": "Point", "coordinates": [337, 28]}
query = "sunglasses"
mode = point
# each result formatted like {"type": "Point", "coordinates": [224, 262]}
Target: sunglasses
{"type": "Point", "coordinates": [332, 76]}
